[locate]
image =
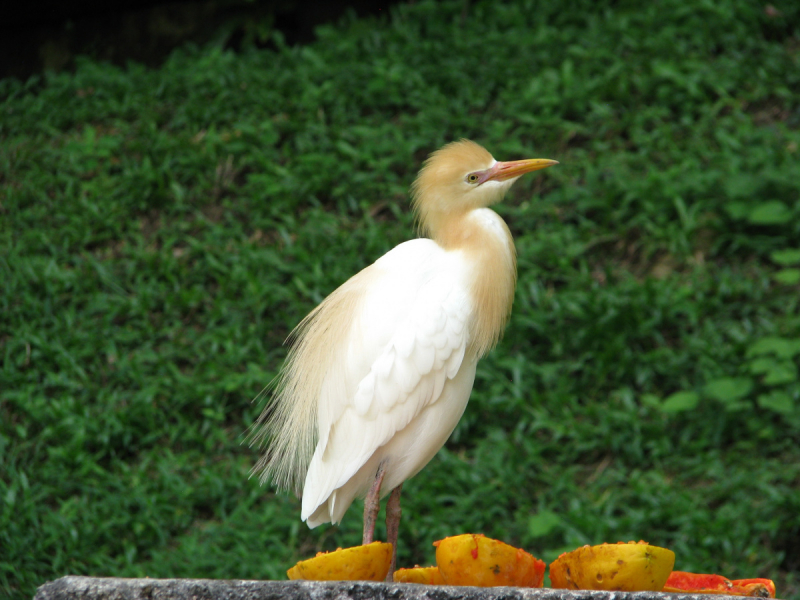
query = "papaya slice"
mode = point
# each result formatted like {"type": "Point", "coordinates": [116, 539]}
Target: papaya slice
{"type": "Point", "coordinates": [699, 583]}
{"type": "Point", "coordinates": [360, 563]}
{"type": "Point", "coordinates": [425, 575]}
{"type": "Point", "coordinates": [473, 559]}
{"type": "Point", "coordinates": [631, 567]}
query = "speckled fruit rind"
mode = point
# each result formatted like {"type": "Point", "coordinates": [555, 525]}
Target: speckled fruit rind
{"type": "Point", "coordinates": [698, 583]}
{"type": "Point", "coordinates": [473, 559]}
{"type": "Point", "coordinates": [426, 575]}
{"type": "Point", "coordinates": [631, 567]}
{"type": "Point", "coordinates": [360, 563]}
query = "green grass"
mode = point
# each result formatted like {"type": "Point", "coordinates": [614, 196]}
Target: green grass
{"type": "Point", "coordinates": [161, 231]}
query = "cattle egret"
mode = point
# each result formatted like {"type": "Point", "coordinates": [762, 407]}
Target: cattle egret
{"type": "Point", "coordinates": [381, 371]}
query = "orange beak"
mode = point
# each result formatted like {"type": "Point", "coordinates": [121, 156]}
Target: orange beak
{"type": "Point", "coordinates": [503, 171]}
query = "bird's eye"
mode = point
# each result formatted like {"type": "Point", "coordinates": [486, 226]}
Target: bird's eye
{"type": "Point", "coordinates": [472, 178]}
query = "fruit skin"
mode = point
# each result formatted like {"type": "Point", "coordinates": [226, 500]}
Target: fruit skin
{"type": "Point", "coordinates": [425, 575]}
{"type": "Point", "coordinates": [698, 583]}
{"type": "Point", "coordinates": [473, 559]}
{"type": "Point", "coordinates": [360, 563]}
{"type": "Point", "coordinates": [631, 567]}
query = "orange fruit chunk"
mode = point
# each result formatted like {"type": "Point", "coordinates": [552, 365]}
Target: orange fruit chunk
{"type": "Point", "coordinates": [631, 567]}
{"type": "Point", "coordinates": [426, 575]}
{"type": "Point", "coordinates": [473, 559]}
{"type": "Point", "coordinates": [360, 563]}
{"type": "Point", "coordinates": [699, 583]}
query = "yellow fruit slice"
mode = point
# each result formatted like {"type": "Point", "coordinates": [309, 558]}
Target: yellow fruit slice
{"type": "Point", "coordinates": [426, 575]}
{"type": "Point", "coordinates": [631, 567]}
{"type": "Point", "coordinates": [473, 559]}
{"type": "Point", "coordinates": [360, 563]}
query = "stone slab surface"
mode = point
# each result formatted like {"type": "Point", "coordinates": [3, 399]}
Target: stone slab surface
{"type": "Point", "coordinates": [112, 588]}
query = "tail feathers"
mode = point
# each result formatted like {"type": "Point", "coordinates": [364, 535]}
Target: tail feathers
{"type": "Point", "coordinates": [317, 490]}
{"type": "Point", "coordinates": [327, 494]}
{"type": "Point", "coordinates": [333, 508]}
{"type": "Point", "coordinates": [289, 424]}
{"type": "Point", "coordinates": [319, 517]}
{"type": "Point", "coordinates": [288, 427]}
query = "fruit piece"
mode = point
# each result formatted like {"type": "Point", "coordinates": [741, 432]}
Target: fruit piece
{"type": "Point", "coordinates": [472, 559]}
{"type": "Point", "coordinates": [364, 563]}
{"type": "Point", "coordinates": [698, 583]}
{"type": "Point", "coordinates": [761, 588]}
{"type": "Point", "coordinates": [627, 567]}
{"type": "Point", "coordinates": [426, 575]}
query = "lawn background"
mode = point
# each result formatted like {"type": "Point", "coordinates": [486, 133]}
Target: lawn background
{"type": "Point", "coordinates": [162, 230]}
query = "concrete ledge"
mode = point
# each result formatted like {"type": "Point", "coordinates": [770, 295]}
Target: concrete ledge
{"type": "Point", "coordinates": [112, 588]}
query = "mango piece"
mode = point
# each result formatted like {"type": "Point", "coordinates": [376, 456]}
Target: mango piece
{"type": "Point", "coordinates": [473, 559]}
{"type": "Point", "coordinates": [699, 583]}
{"type": "Point", "coordinates": [425, 575]}
{"type": "Point", "coordinates": [360, 563]}
{"type": "Point", "coordinates": [627, 567]}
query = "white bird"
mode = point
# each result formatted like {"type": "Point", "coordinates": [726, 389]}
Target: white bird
{"type": "Point", "coordinates": [381, 371]}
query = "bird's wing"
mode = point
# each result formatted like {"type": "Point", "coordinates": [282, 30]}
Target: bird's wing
{"type": "Point", "coordinates": [409, 336]}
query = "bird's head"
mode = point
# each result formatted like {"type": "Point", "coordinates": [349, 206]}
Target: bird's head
{"type": "Point", "coordinates": [463, 176]}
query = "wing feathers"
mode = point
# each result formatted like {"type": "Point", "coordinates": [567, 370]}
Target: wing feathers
{"type": "Point", "coordinates": [423, 356]}
{"type": "Point", "coordinates": [364, 395]}
{"type": "Point", "coordinates": [426, 349]}
{"type": "Point", "coordinates": [404, 342]}
{"type": "Point", "coordinates": [455, 360]}
{"type": "Point", "coordinates": [366, 362]}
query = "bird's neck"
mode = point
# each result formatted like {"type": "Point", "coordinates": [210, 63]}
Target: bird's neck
{"type": "Point", "coordinates": [487, 244]}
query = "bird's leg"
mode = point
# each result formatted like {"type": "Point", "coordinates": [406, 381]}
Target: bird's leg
{"type": "Point", "coordinates": [372, 504]}
{"type": "Point", "coordinates": [393, 513]}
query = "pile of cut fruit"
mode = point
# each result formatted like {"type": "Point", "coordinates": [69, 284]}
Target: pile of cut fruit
{"type": "Point", "coordinates": [473, 559]}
